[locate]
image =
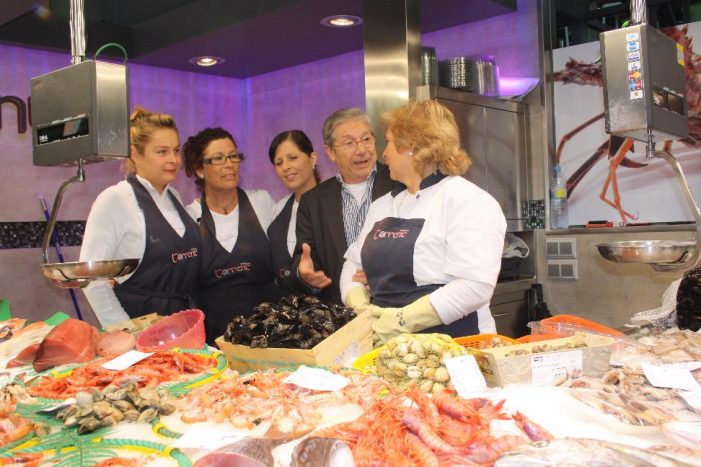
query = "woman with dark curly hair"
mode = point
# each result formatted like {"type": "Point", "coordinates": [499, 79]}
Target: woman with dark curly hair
{"type": "Point", "coordinates": [431, 248]}
{"type": "Point", "coordinates": [237, 270]}
{"type": "Point", "coordinates": [294, 159]}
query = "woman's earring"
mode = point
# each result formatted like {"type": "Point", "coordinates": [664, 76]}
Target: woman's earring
{"type": "Point", "coordinates": [200, 175]}
{"type": "Point", "coordinates": [411, 153]}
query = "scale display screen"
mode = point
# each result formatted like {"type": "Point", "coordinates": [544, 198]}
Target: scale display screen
{"type": "Point", "coordinates": [68, 128]}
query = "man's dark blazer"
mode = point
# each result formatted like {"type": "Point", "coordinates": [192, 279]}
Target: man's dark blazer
{"type": "Point", "coordinates": [320, 224]}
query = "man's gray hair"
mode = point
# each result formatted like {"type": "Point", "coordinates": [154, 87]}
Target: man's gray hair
{"type": "Point", "coordinates": [341, 116]}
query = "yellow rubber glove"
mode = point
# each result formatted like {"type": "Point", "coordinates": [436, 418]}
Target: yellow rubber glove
{"type": "Point", "coordinates": [357, 297]}
{"type": "Point", "coordinates": [416, 316]}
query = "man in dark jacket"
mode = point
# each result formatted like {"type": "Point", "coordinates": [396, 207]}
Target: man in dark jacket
{"type": "Point", "coordinates": [331, 215]}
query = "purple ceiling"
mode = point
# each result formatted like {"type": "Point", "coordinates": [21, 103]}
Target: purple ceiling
{"type": "Point", "coordinates": [254, 37]}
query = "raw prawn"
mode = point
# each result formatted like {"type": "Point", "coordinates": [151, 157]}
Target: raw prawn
{"type": "Point", "coordinates": [424, 431]}
{"type": "Point", "coordinates": [27, 459]}
{"type": "Point", "coordinates": [13, 427]}
{"type": "Point", "coordinates": [489, 450]}
{"type": "Point", "coordinates": [422, 454]}
{"type": "Point", "coordinates": [534, 431]}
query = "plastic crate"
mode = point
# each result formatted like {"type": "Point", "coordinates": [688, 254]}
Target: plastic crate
{"type": "Point", "coordinates": [566, 325]}
{"type": "Point", "coordinates": [482, 341]}
{"type": "Point", "coordinates": [536, 338]}
{"type": "Point", "coordinates": [366, 361]}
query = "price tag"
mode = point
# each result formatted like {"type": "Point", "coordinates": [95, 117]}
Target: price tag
{"type": "Point", "coordinates": [664, 376]}
{"type": "Point", "coordinates": [556, 368]}
{"type": "Point", "coordinates": [316, 379]}
{"type": "Point", "coordinates": [693, 398]}
{"type": "Point", "coordinates": [126, 360]}
{"type": "Point", "coordinates": [465, 375]}
{"type": "Point", "coordinates": [691, 366]}
{"type": "Point", "coordinates": [204, 438]}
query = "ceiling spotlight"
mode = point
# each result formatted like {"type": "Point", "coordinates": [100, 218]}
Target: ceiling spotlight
{"type": "Point", "coordinates": [342, 21]}
{"type": "Point", "coordinates": [206, 60]}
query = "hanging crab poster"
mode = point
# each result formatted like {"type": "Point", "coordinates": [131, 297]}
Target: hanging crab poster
{"type": "Point", "coordinates": [647, 189]}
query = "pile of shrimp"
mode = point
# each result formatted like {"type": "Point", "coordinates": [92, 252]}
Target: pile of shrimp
{"type": "Point", "coordinates": [415, 429]}
{"type": "Point", "coordinates": [154, 370]}
{"type": "Point", "coordinates": [12, 426]}
{"type": "Point", "coordinates": [247, 401]}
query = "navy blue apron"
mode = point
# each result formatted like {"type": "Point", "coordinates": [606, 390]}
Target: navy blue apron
{"type": "Point", "coordinates": [166, 278]}
{"type": "Point", "coordinates": [388, 261]}
{"type": "Point", "coordinates": [277, 233]}
{"type": "Point", "coordinates": [232, 283]}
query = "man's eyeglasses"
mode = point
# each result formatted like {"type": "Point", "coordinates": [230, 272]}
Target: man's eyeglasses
{"type": "Point", "coordinates": [349, 145]}
{"type": "Point", "coordinates": [220, 159]}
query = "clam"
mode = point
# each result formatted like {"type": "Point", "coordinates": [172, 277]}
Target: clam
{"type": "Point", "coordinates": [123, 405]}
{"type": "Point", "coordinates": [131, 415]}
{"type": "Point", "coordinates": [88, 425]}
{"type": "Point", "coordinates": [166, 409]}
{"type": "Point", "coordinates": [147, 415]}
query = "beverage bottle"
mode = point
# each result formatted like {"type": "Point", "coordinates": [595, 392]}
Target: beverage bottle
{"type": "Point", "coordinates": [559, 218]}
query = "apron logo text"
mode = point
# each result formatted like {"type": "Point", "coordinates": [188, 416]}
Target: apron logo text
{"type": "Point", "coordinates": [388, 234]}
{"type": "Point", "coordinates": [176, 257]}
{"type": "Point", "coordinates": [243, 267]}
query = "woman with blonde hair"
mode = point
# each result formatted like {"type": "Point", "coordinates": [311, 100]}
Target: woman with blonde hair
{"type": "Point", "coordinates": [430, 249]}
{"type": "Point", "coordinates": [143, 217]}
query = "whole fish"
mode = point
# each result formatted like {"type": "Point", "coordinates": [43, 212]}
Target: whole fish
{"type": "Point", "coordinates": [679, 453]}
{"type": "Point", "coordinates": [322, 452]}
{"type": "Point", "coordinates": [572, 452]}
{"type": "Point", "coordinates": [247, 452]}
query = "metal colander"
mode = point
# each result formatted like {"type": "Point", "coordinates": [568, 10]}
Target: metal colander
{"type": "Point", "coordinates": [478, 74]}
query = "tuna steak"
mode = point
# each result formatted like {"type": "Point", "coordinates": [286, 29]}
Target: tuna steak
{"type": "Point", "coordinates": [25, 357]}
{"type": "Point", "coordinates": [247, 452]}
{"type": "Point", "coordinates": [72, 341]}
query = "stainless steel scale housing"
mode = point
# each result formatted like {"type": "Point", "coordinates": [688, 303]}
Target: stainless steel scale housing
{"type": "Point", "coordinates": [645, 99]}
{"type": "Point", "coordinates": [80, 115]}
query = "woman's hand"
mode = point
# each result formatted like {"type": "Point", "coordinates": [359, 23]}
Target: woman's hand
{"type": "Point", "coordinates": [313, 278]}
{"type": "Point", "coordinates": [359, 276]}
{"type": "Point", "coordinates": [416, 316]}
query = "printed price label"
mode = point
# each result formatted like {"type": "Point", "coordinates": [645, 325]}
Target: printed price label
{"type": "Point", "coordinates": [693, 398]}
{"type": "Point", "coordinates": [126, 360]}
{"type": "Point", "coordinates": [348, 356]}
{"type": "Point", "coordinates": [203, 438]}
{"type": "Point", "coordinates": [465, 375]}
{"type": "Point", "coordinates": [554, 369]}
{"type": "Point", "coordinates": [666, 376]}
{"type": "Point", "coordinates": [691, 366]}
{"type": "Point", "coordinates": [316, 379]}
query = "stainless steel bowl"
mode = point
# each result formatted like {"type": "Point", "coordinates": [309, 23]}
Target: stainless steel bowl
{"type": "Point", "coordinates": [80, 274]}
{"type": "Point", "coordinates": [647, 251]}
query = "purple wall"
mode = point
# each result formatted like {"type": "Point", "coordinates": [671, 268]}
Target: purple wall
{"type": "Point", "coordinates": [194, 100]}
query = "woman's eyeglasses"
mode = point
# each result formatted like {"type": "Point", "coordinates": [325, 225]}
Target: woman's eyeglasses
{"type": "Point", "coordinates": [220, 159]}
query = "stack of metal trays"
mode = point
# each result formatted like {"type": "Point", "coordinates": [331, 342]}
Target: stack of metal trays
{"type": "Point", "coordinates": [478, 74]}
{"type": "Point", "coordinates": [429, 66]}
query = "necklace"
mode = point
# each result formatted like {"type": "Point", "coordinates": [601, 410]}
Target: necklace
{"type": "Point", "coordinates": [227, 208]}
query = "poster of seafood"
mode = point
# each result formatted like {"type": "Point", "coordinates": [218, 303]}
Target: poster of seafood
{"type": "Point", "coordinates": [648, 189]}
